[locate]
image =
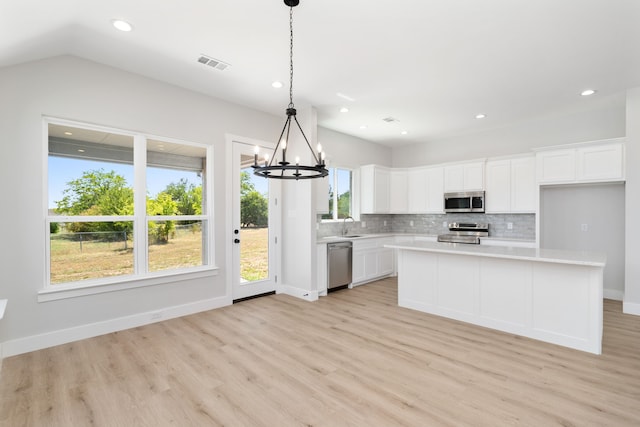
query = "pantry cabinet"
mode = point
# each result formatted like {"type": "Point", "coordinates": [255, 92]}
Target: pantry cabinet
{"type": "Point", "coordinates": [593, 162]}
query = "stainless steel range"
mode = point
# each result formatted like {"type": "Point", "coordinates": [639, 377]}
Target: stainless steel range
{"type": "Point", "coordinates": [460, 232]}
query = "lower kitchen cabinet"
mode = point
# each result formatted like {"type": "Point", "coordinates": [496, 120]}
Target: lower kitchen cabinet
{"type": "Point", "coordinates": [371, 260]}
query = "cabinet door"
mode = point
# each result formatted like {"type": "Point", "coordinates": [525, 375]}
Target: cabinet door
{"type": "Point", "coordinates": [370, 264]}
{"type": "Point", "coordinates": [523, 185]}
{"type": "Point", "coordinates": [322, 195]}
{"type": "Point", "coordinates": [385, 261]}
{"type": "Point", "coordinates": [321, 254]}
{"type": "Point", "coordinates": [435, 190]}
{"type": "Point", "coordinates": [398, 192]}
{"type": "Point", "coordinates": [454, 178]}
{"type": "Point", "coordinates": [556, 166]}
{"type": "Point", "coordinates": [473, 176]}
{"type": "Point", "coordinates": [381, 191]}
{"type": "Point", "coordinates": [417, 191]}
{"type": "Point", "coordinates": [498, 193]}
{"type": "Point", "coordinates": [357, 267]}
{"type": "Point", "coordinates": [601, 163]}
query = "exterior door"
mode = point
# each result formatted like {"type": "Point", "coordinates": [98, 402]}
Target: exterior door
{"type": "Point", "coordinates": [255, 226]}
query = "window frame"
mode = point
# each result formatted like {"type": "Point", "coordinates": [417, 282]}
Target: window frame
{"type": "Point", "coordinates": [141, 275]}
{"type": "Point", "coordinates": [353, 195]}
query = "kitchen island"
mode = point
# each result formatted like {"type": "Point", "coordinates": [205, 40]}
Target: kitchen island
{"type": "Point", "coordinates": [549, 295]}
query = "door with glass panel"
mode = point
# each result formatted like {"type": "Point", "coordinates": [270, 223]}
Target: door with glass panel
{"type": "Point", "coordinates": [255, 225]}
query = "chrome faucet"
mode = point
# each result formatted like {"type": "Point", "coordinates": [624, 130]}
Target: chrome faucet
{"type": "Point", "coordinates": [344, 225]}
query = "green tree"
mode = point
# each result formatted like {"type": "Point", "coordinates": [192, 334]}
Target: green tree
{"type": "Point", "coordinates": [344, 204]}
{"type": "Point", "coordinates": [99, 193]}
{"type": "Point", "coordinates": [187, 196]}
{"type": "Point", "coordinates": [246, 186]}
{"type": "Point", "coordinates": [254, 209]}
{"type": "Point", "coordinates": [163, 204]}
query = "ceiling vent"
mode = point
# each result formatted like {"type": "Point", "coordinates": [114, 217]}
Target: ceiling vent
{"type": "Point", "coordinates": [390, 119]}
{"type": "Point", "coordinates": [212, 62]}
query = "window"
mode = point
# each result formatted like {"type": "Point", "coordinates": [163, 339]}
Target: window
{"type": "Point", "coordinates": [124, 206]}
{"type": "Point", "coordinates": [340, 190]}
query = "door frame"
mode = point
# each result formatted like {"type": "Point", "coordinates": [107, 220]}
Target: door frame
{"type": "Point", "coordinates": [275, 215]}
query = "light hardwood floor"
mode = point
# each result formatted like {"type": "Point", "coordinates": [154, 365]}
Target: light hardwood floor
{"type": "Point", "coordinates": [353, 358]}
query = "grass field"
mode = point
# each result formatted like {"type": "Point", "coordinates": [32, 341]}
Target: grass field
{"type": "Point", "coordinates": [72, 261]}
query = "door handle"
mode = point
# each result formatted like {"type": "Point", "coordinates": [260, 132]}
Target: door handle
{"type": "Point", "coordinates": [236, 240]}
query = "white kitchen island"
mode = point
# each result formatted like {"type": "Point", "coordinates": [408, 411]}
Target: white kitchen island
{"type": "Point", "coordinates": [549, 295]}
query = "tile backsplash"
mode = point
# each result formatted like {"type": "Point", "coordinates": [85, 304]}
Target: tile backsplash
{"type": "Point", "coordinates": [523, 226]}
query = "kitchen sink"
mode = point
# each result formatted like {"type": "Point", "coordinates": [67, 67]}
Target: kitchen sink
{"type": "Point", "coordinates": [351, 236]}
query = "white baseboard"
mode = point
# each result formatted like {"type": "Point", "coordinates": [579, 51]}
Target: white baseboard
{"type": "Point", "coordinates": [631, 308]}
{"type": "Point", "coordinates": [304, 294]}
{"type": "Point", "coordinates": [613, 294]}
{"type": "Point", "coordinates": [63, 336]}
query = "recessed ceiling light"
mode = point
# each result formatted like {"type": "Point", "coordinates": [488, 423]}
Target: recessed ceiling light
{"type": "Point", "coordinates": [68, 133]}
{"type": "Point", "coordinates": [80, 150]}
{"type": "Point", "coordinates": [363, 126]}
{"type": "Point", "coordinates": [480, 116]}
{"type": "Point", "coordinates": [587, 92]}
{"type": "Point", "coordinates": [404, 132]}
{"type": "Point", "coordinates": [344, 110]}
{"type": "Point", "coordinates": [276, 84]}
{"type": "Point", "coordinates": [122, 25]}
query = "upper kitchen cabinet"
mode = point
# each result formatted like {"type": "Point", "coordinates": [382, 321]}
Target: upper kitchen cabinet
{"type": "Point", "coordinates": [600, 161]}
{"type": "Point", "coordinates": [374, 189]}
{"type": "Point", "coordinates": [464, 177]}
{"type": "Point", "coordinates": [511, 185]}
{"type": "Point", "coordinates": [398, 192]}
{"type": "Point", "coordinates": [425, 187]}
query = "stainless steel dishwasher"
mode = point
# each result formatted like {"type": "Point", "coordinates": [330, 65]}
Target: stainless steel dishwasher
{"type": "Point", "coordinates": [339, 264]}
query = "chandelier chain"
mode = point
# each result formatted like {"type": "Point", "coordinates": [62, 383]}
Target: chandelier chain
{"type": "Point", "coordinates": [291, 57]}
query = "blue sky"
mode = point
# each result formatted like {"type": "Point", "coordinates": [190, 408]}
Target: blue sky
{"type": "Point", "coordinates": [62, 170]}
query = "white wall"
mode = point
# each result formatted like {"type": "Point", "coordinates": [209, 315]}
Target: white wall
{"type": "Point", "coordinates": [632, 204]}
{"type": "Point", "coordinates": [563, 211]}
{"type": "Point", "coordinates": [72, 88]}
{"type": "Point", "coordinates": [351, 152]}
{"type": "Point", "coordinates": [605, 119]}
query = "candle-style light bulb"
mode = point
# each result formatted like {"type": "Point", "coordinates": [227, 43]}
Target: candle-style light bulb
{"type": "Point", "coordinates": [322, 158]}
{"type": "Point", "coordinates": [266, 159]}
{"type": "Point", "coordinates": [256, 150]}
{"type": "Point", "coordinates": [284, 151]}
{"type": "Point", "coordinates": [319, 148]}
{"type": "Point", "coordinates": [297, 160]}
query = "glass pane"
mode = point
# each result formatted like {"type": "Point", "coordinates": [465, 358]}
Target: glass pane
{"type": "Point", "coordinates": [344, 192]}
{"type": "Point", "coordinates": [90, 172]}
{"type": "Point", "coordinates": [175, 177]}
{"type": "Point", "coordinates": [176, 244]}
{"type": "Point", "coordinates": [330, 178]}
{"type": "Point", "coordinates": [254, 225]}
{"type": "Point", "coordinates": [90, 250]}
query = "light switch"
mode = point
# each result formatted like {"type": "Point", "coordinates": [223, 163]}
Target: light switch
{"type": "Point", "coordinates": [584, 227]}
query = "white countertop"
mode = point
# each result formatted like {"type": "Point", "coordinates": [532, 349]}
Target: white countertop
{"type": "Point", "coordinates": [594, 259]}
{"type": "Point", "coordinates": [330, 239]}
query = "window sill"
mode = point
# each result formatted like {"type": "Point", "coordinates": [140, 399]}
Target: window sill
{"type": "Point", "coordinates": [58, 292]}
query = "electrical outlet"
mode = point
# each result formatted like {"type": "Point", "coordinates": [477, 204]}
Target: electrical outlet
{"type": "Point", "coordinates": [509, 226]}
{"type": "Point", "coordinates": [411, 223]}
{"type": "Point", "coordinates": [385, 223]}
{"type": "Point", "coordinates": [444, 224]}
{"type": "Point", "coordinates": [584, 227]}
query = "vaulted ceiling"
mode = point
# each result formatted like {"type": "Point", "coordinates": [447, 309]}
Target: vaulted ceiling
{"type": "Point", "coordinates": [432, 66]}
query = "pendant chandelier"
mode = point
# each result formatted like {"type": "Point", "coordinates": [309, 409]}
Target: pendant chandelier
{"type": "Point", "coordinates": [284, 169]}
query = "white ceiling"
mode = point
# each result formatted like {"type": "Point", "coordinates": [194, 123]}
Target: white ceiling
{"type": "Point", "coordinates": [433, 65]}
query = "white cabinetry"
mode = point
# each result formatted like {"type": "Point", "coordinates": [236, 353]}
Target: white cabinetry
{"type": "Point", "coordinates": [464, 177]}
{"type": "Point", "coordinates": [593, 162]}
{"type": "Point", "coordinates": [371, 260]}
{"type": "Point", "coordinates": [425, 188]}
{"type": "Point", "coordinates": [510, 185]}
{"type": "Point", "coordinates": [374, 189]}
{"type": "Point", "coordinates": [398, 191]}
{"type": "Point", "coordinates": [321, 187]}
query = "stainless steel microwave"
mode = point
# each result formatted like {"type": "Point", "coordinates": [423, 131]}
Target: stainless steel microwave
{"type": "Point", "coordinates": [468, 201]}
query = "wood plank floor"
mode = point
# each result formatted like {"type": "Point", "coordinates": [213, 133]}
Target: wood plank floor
{"type": "Point", "coordinates": [353, 358]}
